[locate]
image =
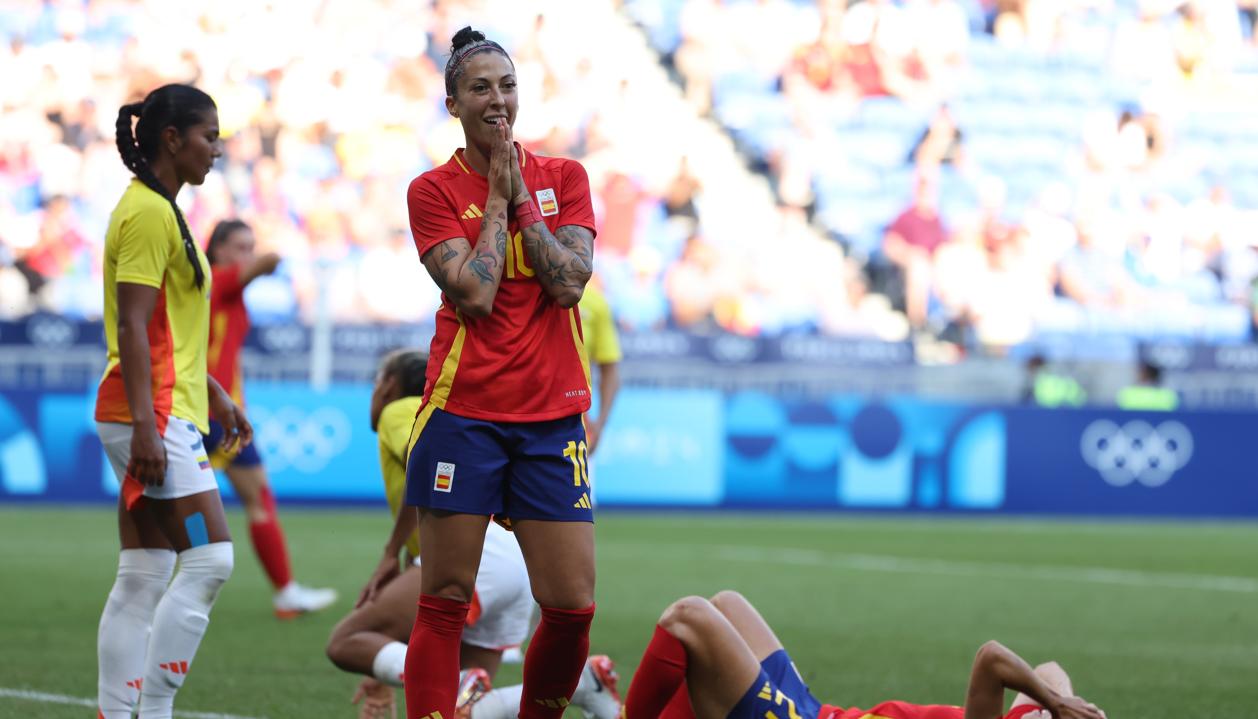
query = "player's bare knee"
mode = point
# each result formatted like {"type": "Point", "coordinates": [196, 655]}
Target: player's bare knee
{"type": "Point", "coordinates": [1054, 675]}
{"type": "Point", "coordinates": [685, 613]}
{"type": "Point", "coordinates": [335, 649]}
{"type": "Point", "coordinates": [456, 589]}
{"type": "Point", "coordinates": [989, 652]}
{"type": "Point", "coordinates": [728, 600]}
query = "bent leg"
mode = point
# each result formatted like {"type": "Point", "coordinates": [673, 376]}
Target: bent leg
{"type": "Point", "coordinates": [747, 621]}
{"type": "Point", "coordinates": [357, 640]}
{"type": "Point", "coordinates": [717, 665]}
{"type": "Point", "coordinates": [1055, 677]}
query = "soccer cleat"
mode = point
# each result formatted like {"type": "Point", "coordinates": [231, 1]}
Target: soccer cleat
{"type": "Point", "coordinates": [602, 701]}
{"type": "Point", "coordinates": [295, 599]}
{"type": "Point", "coordinates": [473, 684]}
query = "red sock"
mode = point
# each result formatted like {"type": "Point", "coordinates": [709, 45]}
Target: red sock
{"type": "Point", "coordinates": [431, 677]}
{"type": "Point", "coordinates": [554, 662]}
{"type": "Point", "coordinates": [679, 707]}
{"type": "Point", "coordinates": [660, 677]}
{"type": "Point", "coordinates": [268, 542]}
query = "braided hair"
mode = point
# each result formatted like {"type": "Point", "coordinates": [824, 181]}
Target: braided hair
{"type": "Point", "coordinates": [177, 106]}
{"type": "Point", "coordinates": [408, 366]}
{"type": "Point", "coordinates": [466, 43]}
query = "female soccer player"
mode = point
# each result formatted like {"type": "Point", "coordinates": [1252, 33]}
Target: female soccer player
{"type": "Point", "coordinates": [234, 266]}
{"type": "Point", "coordinates": [153, 403]}
{"type": "Point", "coordinates": [370, 640]}
{"type": "Point", "coordinates": [719, 659]}
{"type": "Point", "coordinates": [508, 237]}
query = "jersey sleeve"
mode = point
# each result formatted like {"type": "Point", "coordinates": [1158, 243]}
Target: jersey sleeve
{"type": "Point", "coordinates": [433, 221]}
{"type": "Point", "coordinates": [226, 286]}
{"type": "Point", "coordinates": [575, 207]}
{"type": "Point", "coordinates": [144, 247]}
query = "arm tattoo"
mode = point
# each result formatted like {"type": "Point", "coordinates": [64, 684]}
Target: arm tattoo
{"type": "Point", "coordinates": [500, 235]}
{"type": "Point", "coordinates": [481, 265]}
{"type": "Point", "coordinates": [562, 263]}
{"type": "Point", "coordinates": [572, 238]}
{"type": "Point", "coordinates": [448, 253]}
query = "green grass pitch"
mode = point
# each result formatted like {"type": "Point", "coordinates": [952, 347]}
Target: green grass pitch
{"type": "Point", "coordinates": [1153, 620]}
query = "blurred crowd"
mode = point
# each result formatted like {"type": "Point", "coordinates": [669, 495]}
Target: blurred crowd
{"type": "Point", "coordinates": [1002, 169]}
{"type": "Point", "coordinates": [328, 109]}
{"type": "Point", "coordinates": [1140, 212]}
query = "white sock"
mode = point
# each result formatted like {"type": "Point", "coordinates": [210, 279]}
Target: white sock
{"type": "Point", "coordinates": [123, 635]}
{"type": "Point", "coordinates": [501, 703]}
{"type": "Point", "coordinates": [179, 623]}
{"type": "Point", "coordinates": [390, 663]}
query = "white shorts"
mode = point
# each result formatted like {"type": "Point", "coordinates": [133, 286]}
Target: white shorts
{"type": "Point", "coordinates": [502, 605]}
{"type": "Point", "coordinates": [187, 464]}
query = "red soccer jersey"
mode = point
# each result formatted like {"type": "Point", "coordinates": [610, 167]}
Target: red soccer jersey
{"type": "Point", "coordinates": [229, 325]}
{"type": "Point", "coordinates": [525, 362]}
{"type": "Point", "coordinates": [905, 710]}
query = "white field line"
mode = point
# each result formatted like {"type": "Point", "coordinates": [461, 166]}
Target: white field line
{"type": "Point", "coordinates": [81, 702]}
{"type": "Point", "coordinates": [942, 567]}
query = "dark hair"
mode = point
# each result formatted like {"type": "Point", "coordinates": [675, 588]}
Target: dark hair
{"type": "Point", "coordinates": [223, 230]}
{"type": "Point", "coordinates": [408, 366]}
{"type": "Point", "coordinates": [177, 106]}
{"type": "Point", "coordinates": [466, 43]}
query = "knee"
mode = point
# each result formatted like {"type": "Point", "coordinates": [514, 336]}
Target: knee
{"type": "Point", "coordinates": [686, 613]}
{"type": "Point", "coordinates": [991, 652]}
{"type": "Point", "coordinates": [336, 649]}
{"type": "Point", "coordinates": [728, 600]}
{"type": "Point", "coordinates": [210, 564]}
{"type": "Point", "coordinates": [460, 589]}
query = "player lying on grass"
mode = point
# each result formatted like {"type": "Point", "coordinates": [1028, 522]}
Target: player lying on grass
{"type": "Point", "coordinates": [719, 659]}
{"type": "Point", "coordinates": [371, 640]}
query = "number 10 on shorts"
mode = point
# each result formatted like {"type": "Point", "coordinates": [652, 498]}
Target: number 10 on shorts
{"type": "Point", "coordinates": [580, 473]}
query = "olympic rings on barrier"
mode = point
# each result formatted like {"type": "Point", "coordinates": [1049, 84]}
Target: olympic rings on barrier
{"type": "Point", "coordinates": [1136, 451]}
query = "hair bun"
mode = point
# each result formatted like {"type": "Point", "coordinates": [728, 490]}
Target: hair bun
{"type": "Point", "coordinates": [465, 37]}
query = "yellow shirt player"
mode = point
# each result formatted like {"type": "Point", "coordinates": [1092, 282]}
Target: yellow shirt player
{"type": "Point", "coordinates": [395, 401]}
{"type": "Point", "coordinates": [602, 346]}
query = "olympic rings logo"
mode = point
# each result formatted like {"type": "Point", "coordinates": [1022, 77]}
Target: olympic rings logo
{"type": "Point", "coordinates": [306, 441]}
{"type": "Point", "coordinates": [1137, 451]}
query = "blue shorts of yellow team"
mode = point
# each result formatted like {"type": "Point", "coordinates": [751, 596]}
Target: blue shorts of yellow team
{"type": "Point", "coordinates": [243, 457]}
{"type": "Point", "coordinates": [779, 692]}
{"type": "Point", "coordinates": [509, 470]}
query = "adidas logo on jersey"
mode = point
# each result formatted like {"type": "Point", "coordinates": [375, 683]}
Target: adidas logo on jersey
{"type": "Point", "coordinates": [472, 212]}
{"type": "Point", "coordinates": [583, 502]}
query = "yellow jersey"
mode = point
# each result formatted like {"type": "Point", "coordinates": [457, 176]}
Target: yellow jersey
{"type": "Point", "coordinates": [394, 433]}
{"type": "Point", "coordinates": [143, 246]}
{"type": "Point", "coordinates": [598, 328]}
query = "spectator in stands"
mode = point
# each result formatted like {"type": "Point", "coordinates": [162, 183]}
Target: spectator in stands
{"type": "Point", "coordinates": [940, 142]}
{"type": "Point", "coordinates": [1092, 274]}
{"type": "Point", "coordinates": [910, 243]}
{"type": "Point", "coordinates": [1050, 387]}
{"type": "Point", "coordinates": [1147, 393]}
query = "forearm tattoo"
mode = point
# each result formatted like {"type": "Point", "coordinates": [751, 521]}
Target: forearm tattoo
{"type": "Point", "coordinates": [562, 260]}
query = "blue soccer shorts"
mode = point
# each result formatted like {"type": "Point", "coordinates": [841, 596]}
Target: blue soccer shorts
{"type": "Point", "coordinates": [779, 691]}
{"type": "Point", "coordinates": [511, 470]}
{"type": "Point", "coordinates": [243, 457]}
